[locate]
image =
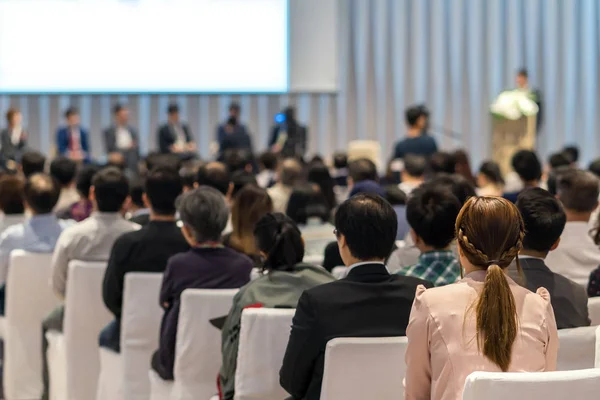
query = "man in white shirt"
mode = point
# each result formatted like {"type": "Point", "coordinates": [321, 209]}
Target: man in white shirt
{"type": "Point", "coordinates": [577, 256]}
{"type": "Point", "coordinates": [290, 173]}
{"type": "Point", "coordinates": [413, 173]}
{"type": "Point", "coordinates": [121, 139]}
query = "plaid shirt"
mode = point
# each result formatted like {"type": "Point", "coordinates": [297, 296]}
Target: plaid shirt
{"type": "Point", "coordinates": [437, 267]}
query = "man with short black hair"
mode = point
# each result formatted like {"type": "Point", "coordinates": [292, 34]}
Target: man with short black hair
{"type": "Point", "coordinates": [577, 255]}
{"type": "Point", "coordinates": [413, 173]}
{"type": "Point", "coordinates": [267, 165]}
{"type": "Point", "coordinates": [64, 170]}
{"type": "Point", "coordinates": [72, 140]}
{"type": "Point", "coordinates": [369, 302]}
{"type": "Point", "coordinates": [442, 162]}
{"type": "Point", "coordinates": [290, 174]}
{"type": "Point", "coordinates": [232, 134]}
{"type": "Point", "coordinates": [121, 139]}
{"type": "Point", "coordinates": [215, 175]}
{"type": "Point", "coordinates": [417, 140]}
{"type": "Point", "coordinates": [573, 153]}
{"type": "Point", "coordinates": [32, 162]}
{"type": "Point", "coordinates": [594, 167]}
{"type": "Point", "coordinates": [545, 220]}
{"type": "Point", "coordinates": [558, 160]}
{"type": "Point", "coordinates": [146, 250]}
{"type": "Point", "coordinates": [175, 136]}
{"type": "Point", "coordinates": [527, 165]}
{"type": "Point", "coordinates": [139, 213]}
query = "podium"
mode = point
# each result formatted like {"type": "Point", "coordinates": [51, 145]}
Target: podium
{"type": "Point", "coordinates": [510, 136]}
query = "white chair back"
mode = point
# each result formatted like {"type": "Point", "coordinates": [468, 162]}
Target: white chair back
{"type": "Point", "coordinates": [339, 272]}
{"type": "Point", "coordinates": [264, 336]}
{"type": "Point", "coordinates": [85, 316]}
{"type": "Point", "coordinates": [29, 299]}
{"type": "Point", "coordinates": [580, 384]}
{"type": "Point", "coordinates": [577, 348]}
{"type": "Point", "coordinates": [140, 328]}
{"type": "Point", "coordinates": [594, 310]}
{"type": "Point", "coordinates": [198, 350]}
{"type": "Point", "coordinates": [370, 149]}
{"type": "Point", "coordinates": [364, 368]}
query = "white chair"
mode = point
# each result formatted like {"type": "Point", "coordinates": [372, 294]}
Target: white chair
{"type": "Point", "coordinates": [85, 316]}
{"type": "Point", "coordinates": [577, 348]}
{"type": "Point", "coordinates": [198, 348]}
{"type": "Point", "coordinates": [364, 368]}
{"type": "Point", "coordinates": [264, 336]}
{"type": "Point", "coordinates": [594, 310]}
{"type": "Point", "coordinates": [125, 375]}
{"type": "Point", "coordinates": [316, 259]}
{"type": "Point", "coordinates": [339, 272]}
{"type": "Point", "coordinates": [370, 149]}
{"type": "Point", "coordinates": [580, 384]}
{"type": "Point", "coordinates": [29, 299]}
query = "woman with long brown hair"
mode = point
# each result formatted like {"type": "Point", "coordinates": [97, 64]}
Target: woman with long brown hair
{"type": "Point", "coordinates": [484, 322]}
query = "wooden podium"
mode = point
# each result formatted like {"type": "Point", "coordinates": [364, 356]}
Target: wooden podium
{"type": "Point", "coordinates": [510, 136]}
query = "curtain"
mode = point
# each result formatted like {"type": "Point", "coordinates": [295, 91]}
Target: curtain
{"type": "Point", "coordinates": [453, 55]}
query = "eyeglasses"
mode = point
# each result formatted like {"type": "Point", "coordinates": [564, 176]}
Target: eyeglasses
{"type": "Point", "coordinates": [335, 232]}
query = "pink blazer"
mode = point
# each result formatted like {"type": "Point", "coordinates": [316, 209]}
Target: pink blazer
{"type": "Point", "coordinates": [442, 346]}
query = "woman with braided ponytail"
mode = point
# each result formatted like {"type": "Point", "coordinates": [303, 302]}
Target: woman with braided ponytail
{"type": "Point", "coordinates": [484, 322]}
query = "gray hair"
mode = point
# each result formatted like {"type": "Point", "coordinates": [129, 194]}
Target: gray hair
{"type": "Point", "coordinates": [204, 212]}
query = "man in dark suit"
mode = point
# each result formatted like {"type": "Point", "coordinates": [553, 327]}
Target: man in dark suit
{"type": "Point", "coordinates": [13, 139]}
{"type": "Point", "coordinates": [545, 220]}
{"type": "Point", "coordinates": [72, 140]}
{"type": "Point", "coordinates": [369, 302]}
{"type": "Point", "coordinates": [175, 136]}
{"type": "Point", "coordinates": [288, 138]}
{"type": "Point", "coordinates": [121, 139]}
{"type": "Point", "coordinates": [233, 135]}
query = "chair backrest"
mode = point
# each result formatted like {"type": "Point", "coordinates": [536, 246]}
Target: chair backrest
{"type": "Point", "coordinates": [264, 336]}
{"type": "Point", "coordinates": [577, 348]}
{"type": "Point", "coordinates": [594, 310]}
{"type": "Point", "coordinates": [580, 384]}
{"type": "Point", "coordinates": [140, 327]}
{"type": "Point", "coordinates": [85, 316]}
{"type": "Point", "coordinates": [198, 349]}
{"type": "Point", "coordinates": [370, 149]}
{"type": "Point", "coordinates": [29, 299]}
{"type": "Point", "coordinates": [364, 368]}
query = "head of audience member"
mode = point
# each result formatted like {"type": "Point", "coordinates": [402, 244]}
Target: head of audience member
{"type": "Point", "coordinates": [290, 172]}
{"type": "Point", "coordinates": [414, 169]}
{"type": "Point", "coordinates": [557, 160]}
{"type": "Point", "coordinates": [268, 161]}
{"type": "Point", "coordinates": [340, 161]}
{"type": "Point", "coordinates": [307, 203]}
{"type": "Point", "coordinates": [527, 165]}
{"type": "Point", "coordinates": [578, 192]}
{"type": "Point", "coordinates": [489, 232]}
{"type": "Point", "coordinates": [490, 174]}
{"type": "Point", "coordinates": [522, 78]}
{"type": "Point", "coordinates": [173, 114]}
{"type": "Point", "coordinates": [154, 160]}
{"type": "Point", "coordinates": [366, 227]}
{"type": "Point", "coordinates": [12, 195]}
{"type": "Point", "coordinates": [63, 169]}
{"type": "Point", "coordinates": [442, 163]}
{"type": "Point", "coordinates": [83, 180]}
{"type": "Point", "coordinates": [241, 179]}
{"type": "Point", "coordinates": [360, 170]}
{"type": "Point", "coordinates": [136, 195]}
{"type": "Point", "coordinates": [368, 187]}
{"type": "Point", "coordinates": [188, 176]}
{"type": "Point", "coordinates": [250, 204]}
{"type": "Point", "coordinates": [41, 194]}
{"type": "Point", "coordinates": [394, 195]}
{"type": "Point", "coordinates": [13, 118]}
{"type": "Point", "coordinates": [431, 213]}
{"type": "Point", "coordinates": [457, 184]}
{"type": "Point", "coordinates": [121, 114]}
{"type": "Point", "coordinates": [238, 160]}
{"type": "Point", "coordinates": [116, 159]}
{"type": "Point", "coordinates": [279, 242]}
{"type": "Point", "coordinates": [462, 165]}
{"type": "Point", "coordinates": [72, 117]}
{"type": "Point", "coordinates": [544, 220]}
{"type": "Point", "coordinates": [594, 167]}
{"type": "Point", "coordinates": [32, 162]}
{"type": "Point", "coordinates": [416, 120]}
{"type": "Point", "coordinates": [110, 191]}
{"type": "Point", "coordinates": [204, 214]}
{"type": "Point", "coordinates": [162, 187]}
{"type": "Point", "coordinates": [318, 173]}
{"type": "Point", "coordinates": [553, 178]}
{"type": "Point", "coordinates": [215, 175]}
{"type": "Point", "coordinates": [573, 153]}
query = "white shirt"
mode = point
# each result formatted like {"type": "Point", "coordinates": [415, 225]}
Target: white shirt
{"type": "Point", "coordinates": [408, 187]}
{"type": "Point", "coordinates": [577, 255]}
{"type": "Point", "coordinates": [123, 138]}
{"type": "Point", "coordinates": [280, 195]}
{"type": "Point", "coordinates": [15, 136]}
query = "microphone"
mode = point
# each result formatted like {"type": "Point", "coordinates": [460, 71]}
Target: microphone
{"type": "Point", "coordinates": [449, 133]}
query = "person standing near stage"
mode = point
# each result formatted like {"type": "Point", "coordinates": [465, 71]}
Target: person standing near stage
{"type": "Point", "coordinates": [416, 141]}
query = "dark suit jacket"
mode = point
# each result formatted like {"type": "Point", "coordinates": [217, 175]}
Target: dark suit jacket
{"type": "Point", "coordinates": [141, 219]}
{"type": "Point", "coordinates": [295, 145]}
{"type": "Point", "coordinates": [62, 141]}
{"type": "Point", "coordinates": [239, 139]}
{"type": "Point", "coordinates": [110, 138]}
{"type": "Point", "coordinates": [369, 302]}
{"type": "Point", "coordinates": [569, 299]}
{"type": "Point", "coordinates": [9, 151]}
{"type": "Point", "coordinates": [167, 137]}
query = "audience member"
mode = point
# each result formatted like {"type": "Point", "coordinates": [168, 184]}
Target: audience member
{"type": "Point", "coordinates": [64, 169]}
{"type": "Point", "coordinates": [122, 139]}
{"type": "Point", "coordinates": [594, 167]}
{"type": "Point", "coordinates": [362, 177]}
{"type": "Point", "coordinates": [573, 153]}
{"type": "Point", "coordinates": [216, 176]}
{"type": "Point", "coordinates": [239, 160]}
{"type": "Point", "coordinates": [442, 163]}
{"type": "Point", "coordinates": [82, 208]}
{"type": "Point", "coordinates": [545, 220]}
{"type": "Point", "coordinates": [89, 240]}
{"type": "Point", "coordinates": [233, 135]}
{"type": "Point", "coordinates": [281, 285]}
{"type": "Point", "coordinates": [417, 141]}
{"type": "Point", "coordinates": [241, 179]}
{"type": "Point", "coordinates": [463, 166]}
{"type": "Point", "coordinates": [156, 159]}
{"type": "Point", "coordinates": [489, 179]}
{"type": "Point", "coordinates": [527, 165]}
{"type": "Point", "coordinates": [267, 166]}
{"type": "Point", "coordinates": [12, 201]}
{"type": "Point", "coordinates": [394, 196]}
{"type": "Point", "coordinates": [175, 137]}
{"type": "Point", "coordinates": [188, 174]}
{"type": "Point", "coordinates": [72, 140]}
{"type": "Point", "coordinates": [557, 160]}
{"type": "Point", "coordinates": [431, 212]}
{"type": "Point", "coordinates": [340, 169]}
{"type": "Point", "coordinates": [290, 174]}
{"type": "Point", "coordinates": [318, 173]}
{"type": "Point", "coordinates": [32, 162]}
{"type": "Point", "coordinates": [474, 325]}
{"type": "Point", "coordinates": [368, 302]}
{"type": "Point", "coordinates": [249, 206]}
{"type": "Point", "coordinates": [577, 256]}
{"type": "Point", "coordinates": [13, 139]}
{"type": "Point", "coordinates": [207, 265]}
{"type": "Point", "coordinates": [138, 210]}
{"type": "Point", "coordinates": [145, 250]}
{"type": "Point", "coordinates": [553, 177]}
{"type": "Point", "coordinates": [413, 173]}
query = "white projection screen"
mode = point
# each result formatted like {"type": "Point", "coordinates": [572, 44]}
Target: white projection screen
{"type": "Point", "coordinates": [167, 46]}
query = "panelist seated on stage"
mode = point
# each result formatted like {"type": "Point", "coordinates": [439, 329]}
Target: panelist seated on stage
{"type": "Point", "coordinates": [175, 136]}
{"type": "Point", "coordinates": [13, 139]}
{"type": "Point", "coordinates": [288, 138]}
{"type": "Point", "coordinates": [121, 138]}
{"type": "Point", "coordinates": [72, 140]}
{"type": "Point", "coordinates": [233, 135]}
{"type": "Point", "coordinates": [417, 141]}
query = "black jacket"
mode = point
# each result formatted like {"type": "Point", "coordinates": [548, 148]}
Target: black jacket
{"type": "Point", "coordinates": [369, 302]}
{"type": "Point", "coordinates": [167, 137]}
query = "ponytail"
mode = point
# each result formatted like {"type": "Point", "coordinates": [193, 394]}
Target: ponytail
{"type": "Point", "coordinates": [278, 236]}
{"type": "Point", "coordinates": [497, 318]}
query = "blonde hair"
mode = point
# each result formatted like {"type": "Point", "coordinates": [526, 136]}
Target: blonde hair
{"type": "Point", "coordinates": [250, 204]}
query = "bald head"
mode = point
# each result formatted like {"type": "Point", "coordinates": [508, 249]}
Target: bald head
{"type": "Point", "coordinates": [291, 172]}
{"type": "Point", "coordinates": [41, 193]}
{"type": "Point", "coordinates": [215, 175]}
